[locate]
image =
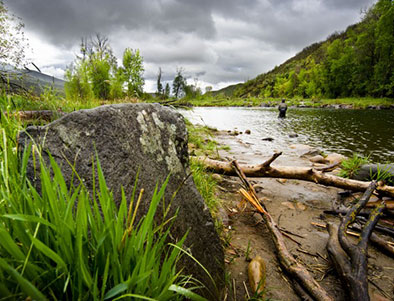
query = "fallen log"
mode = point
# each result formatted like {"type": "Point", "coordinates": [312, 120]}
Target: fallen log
{"type": "Point", "coordinates": [350, 260]}
{"type": "Point", "coordinates": [46, 115]}
{"type": "Point", "coordinates": [298, 173]}
{"type": "Point", "coordinates": [288, 262]}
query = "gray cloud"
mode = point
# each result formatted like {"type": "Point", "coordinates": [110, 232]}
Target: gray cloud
{"type": "Point", "coordinates": [215, 40]}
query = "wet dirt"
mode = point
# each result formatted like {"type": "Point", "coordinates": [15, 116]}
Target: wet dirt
{"type": "Point", "coordinates": [296, 206]}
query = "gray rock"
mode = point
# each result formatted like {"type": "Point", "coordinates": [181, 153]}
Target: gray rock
{"type": "Point", "coordinates": [370, 171]}
{"type": "Point", "coordinates": [127, 138]}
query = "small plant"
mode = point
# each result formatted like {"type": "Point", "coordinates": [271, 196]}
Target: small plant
{"type": "Point", "coordinates": [262, 296]}
{"type": "Point", "coordinates": [383, 173]}
{"type": "Point", "coordinates": [350, 167]}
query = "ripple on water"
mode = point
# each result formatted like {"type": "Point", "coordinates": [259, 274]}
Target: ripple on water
{"type": "Point", "coordinates": [367, 132]}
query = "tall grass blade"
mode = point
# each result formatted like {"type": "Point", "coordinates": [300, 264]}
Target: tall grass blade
{"type": "Point", "coordinates": [28, 288]}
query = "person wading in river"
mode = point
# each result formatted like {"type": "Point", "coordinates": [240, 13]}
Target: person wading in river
{"type": "Point", "coordinates": [282, 109]}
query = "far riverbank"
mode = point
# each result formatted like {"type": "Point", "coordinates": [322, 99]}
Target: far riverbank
{"type": "Point", "coordinates": [339, 103]}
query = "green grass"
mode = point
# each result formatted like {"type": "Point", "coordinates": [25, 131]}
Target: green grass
{"type": "Point", "coordinates": [50, 101]}
{"type": "Point", "coordinates": [65, 244]}
{"type": "Point", "coordinates": [383, 174]}
{"type": "Point", "coordinates": [205, 184]}
{"type": "Point", "coordinates": [350, 167]}
{"type": "Point", "coordinates": [201, 143]}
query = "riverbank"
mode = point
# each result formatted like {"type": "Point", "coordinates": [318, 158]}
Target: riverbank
{"type": "Point", "coordinates": [340, 103]}
{"type": "Point", "coordinates": [296, 206]}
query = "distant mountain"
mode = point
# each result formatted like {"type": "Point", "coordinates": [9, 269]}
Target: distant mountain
{"type": "Point", "coordinates": [30, 80]}
{"type": "Point", "coordinates": [356, 62]}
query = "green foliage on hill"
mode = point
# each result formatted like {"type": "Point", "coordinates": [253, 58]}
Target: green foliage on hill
{"type": "Point", "coordinates": [356, 63]}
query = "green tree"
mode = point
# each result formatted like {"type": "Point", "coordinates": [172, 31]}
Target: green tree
{"type": "Point", "coordinates": [160, 90]}
{"type": "Point", "coordinates": [339, 68]}
{"type": "Point", "coordinates": [12, 38]}
{"type": "Point", "coordinates": [133, 71]}
{"type": "Point", "coordinates": [93, 72]}
{"type": "Point", "coordinates": [102, 66]}
{"type": "Point", "coordinates": [384, 49]}
{"type": "Point", "coordinates": [167, 91]}
{"type": "Point", "coordinates": [77, 84]}
{"type": "Point", "coordinates": [12, 46]}
{"type": "Point", "coordinates": [116, 91]}
{"type": "Point", "coordinates": [179, 84]}
{"type": "Point", "coordinates": [99, 73]}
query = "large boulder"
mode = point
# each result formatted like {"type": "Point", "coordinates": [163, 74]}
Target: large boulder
{"type": "Point", "coordinates": [128, 138]}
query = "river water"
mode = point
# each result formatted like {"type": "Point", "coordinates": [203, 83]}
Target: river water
{"type": "Point", "coordinates": [367, 132]}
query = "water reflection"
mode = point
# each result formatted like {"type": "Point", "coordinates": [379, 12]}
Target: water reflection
{"type": "Point", "coordinates": [367, 132]}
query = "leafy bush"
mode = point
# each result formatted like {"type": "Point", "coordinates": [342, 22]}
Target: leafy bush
{"type": "Point", "coordinates": [65, 244]}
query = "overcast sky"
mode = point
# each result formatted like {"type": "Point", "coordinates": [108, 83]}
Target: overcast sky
{"type": "Point", "coordinates": [218, 42]}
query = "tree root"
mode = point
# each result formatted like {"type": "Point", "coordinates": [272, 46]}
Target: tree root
{"type": "Point", "coordinates": [350, 260]}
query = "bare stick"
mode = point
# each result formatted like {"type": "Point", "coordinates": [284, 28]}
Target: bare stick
{"type": "Point", "coordinates": [288, 262]}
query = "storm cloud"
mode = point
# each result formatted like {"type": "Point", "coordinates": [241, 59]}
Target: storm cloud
{"type": "Point", "coordinates": [217, 41]}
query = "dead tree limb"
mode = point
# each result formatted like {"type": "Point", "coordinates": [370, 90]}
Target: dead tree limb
{"type": "Point", "coordinates": [378, 242]}
{"type": "Point", "coordinates": [45, 115]}
{"type": "Point", "coordinates": [361, 218]}
{"type": "Point", "coordinates": [351, 260]}
{"type": "Point", "coordinates": [298, 173]}
{"type": "Point", "coordinates": [288, 262]}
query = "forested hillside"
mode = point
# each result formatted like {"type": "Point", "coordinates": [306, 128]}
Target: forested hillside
{"type": "Point", "coordinates": [357, 62]}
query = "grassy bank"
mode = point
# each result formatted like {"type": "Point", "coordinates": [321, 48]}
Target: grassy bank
{"type": "Point", "coordinates": [356, 103]}
{"type": "Point", "coordinates": [202, 143]}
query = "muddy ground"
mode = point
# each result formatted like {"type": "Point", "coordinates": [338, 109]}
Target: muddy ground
{"type": "Point", "coordinates": [294, 205]}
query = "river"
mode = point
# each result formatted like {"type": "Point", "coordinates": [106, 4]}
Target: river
{"type": "Point", "coordinates": [367, 132]}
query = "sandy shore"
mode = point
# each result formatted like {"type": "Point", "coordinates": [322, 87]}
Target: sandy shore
{"type": "Point", "coordinates": [295, 205]}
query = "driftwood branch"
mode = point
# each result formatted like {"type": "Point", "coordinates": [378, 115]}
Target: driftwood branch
{"type": "Point", "coordinates": [361, 218]}
{"type": "Point", "coordinates": [380, 243]}
{"type": "Point", "coordinates": [351, 260]}
{"type": "Point", "coordinates": [45, 115]}
{"type": "Point", "coordinates": [299, 173]}
{"type": "Point", "coordinates": [288, 262]}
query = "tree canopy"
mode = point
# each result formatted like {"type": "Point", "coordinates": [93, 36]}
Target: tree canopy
{"type": "Point", "coordinates": [357, 62]}
{"type": "Point", "coordinates": [95, 72]}
{"type": "Point", "coordinates": [11, 38]}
